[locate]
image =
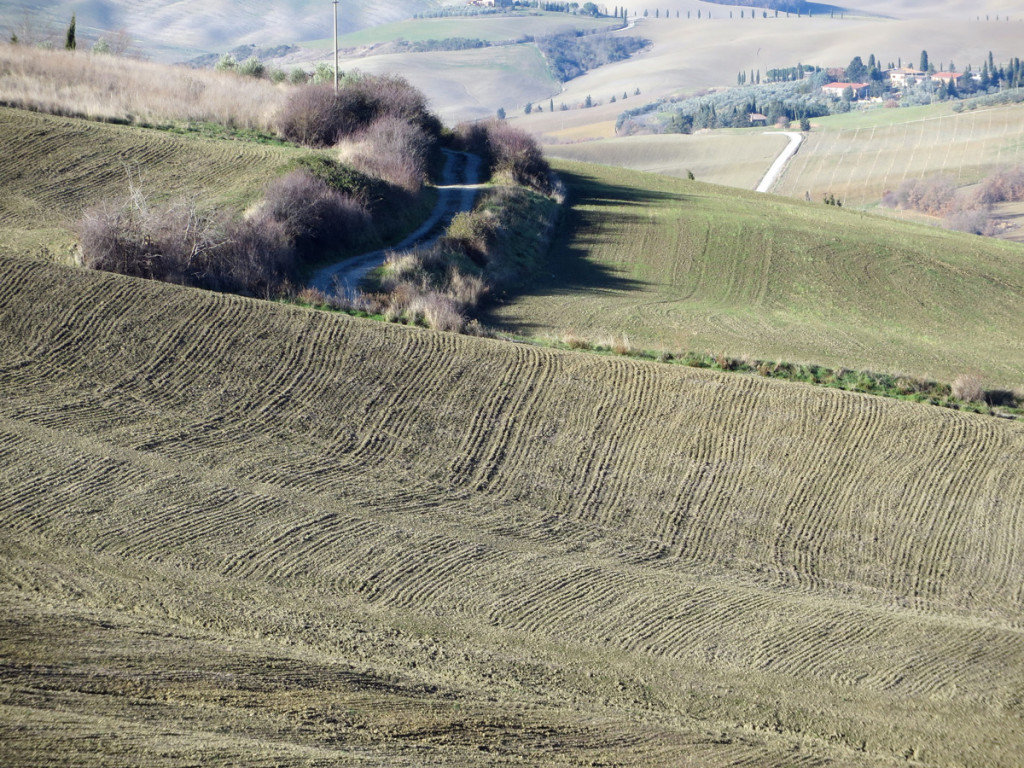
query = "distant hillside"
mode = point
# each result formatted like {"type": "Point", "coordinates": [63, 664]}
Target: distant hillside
{"type": "Point", "coordinates": [237, 532]}
{"type": "Point", "coordinates": [175, 31]}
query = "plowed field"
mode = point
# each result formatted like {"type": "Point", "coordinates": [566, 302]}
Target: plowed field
{"type": "Point", "coordinates": [238, 532]}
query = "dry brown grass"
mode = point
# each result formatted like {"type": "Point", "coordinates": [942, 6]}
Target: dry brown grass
{"type": "Point", "coordinates": [105, 87]}
{"type": "Point", "coordinates": [969, 388]}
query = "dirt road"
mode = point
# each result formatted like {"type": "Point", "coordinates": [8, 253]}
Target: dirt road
{"type": "Point", "coordinates": [460, 182]}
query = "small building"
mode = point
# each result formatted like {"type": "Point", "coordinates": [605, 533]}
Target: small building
{"type": "Point", "coordinates": [904, 76]}
{"type": "Point", "coordinates": [947, 77]}
{"type": "Point", "coordinates": [835, 90]}
{"type": "Point", "coordinates": [756, 118]}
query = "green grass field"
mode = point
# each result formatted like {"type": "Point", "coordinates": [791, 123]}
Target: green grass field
{"type": "Point", "coordinates": [685, 266]}
{"type": "Point", "coordinates": [241, 532]}
{"type": "Point", "coordinates": [54, 168]}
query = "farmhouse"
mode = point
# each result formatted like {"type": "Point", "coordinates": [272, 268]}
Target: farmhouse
{"type": "Point", "coordinates": [904, 76]}
{"type": "Point", "coordinates": [756, 118]}
{"type": "Point", "coordinates": [947, 77]}
{"type": "Point", "coordinates": [835, 90]}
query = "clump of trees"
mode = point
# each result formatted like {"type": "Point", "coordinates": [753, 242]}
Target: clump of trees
{"type": "Point", "coordinates": [571, 54]}
{"type": "Point", "coordinates": [938, 196]}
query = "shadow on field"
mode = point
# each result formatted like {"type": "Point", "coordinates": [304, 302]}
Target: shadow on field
{"type": "Point", "coordinates": [593, 209]}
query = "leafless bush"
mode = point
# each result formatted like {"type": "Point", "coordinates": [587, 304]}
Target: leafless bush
{"type": "Point", "coordinates": [976, 221]}
{"type": "Point", "coordinates": [968, 387]}
{"type": "Point", "coordinates": [392, 149]}
{"type": "Point", "coordinates": [438, 311]}
{"type": "Point", "coordinates": [317, 116]}
{"type": "Point", "coordinates": [934, 196]}
{"type": "Point", "coordinates": [314, 214]}
{"type": "Point", "coordinates": [507, 150]}
{"type": "Point", "coordinates": [1006, 185]}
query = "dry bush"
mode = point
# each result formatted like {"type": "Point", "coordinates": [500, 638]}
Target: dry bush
{"type": "Point", "coordinates": [176, 242]}
{"type": "Point", "coordinates": [976, 221]}
{"type": "Point", "coordinates": [391, 149]}
{"type": "Point", "coordinates": [1006, 185]}
{"type": "Point", "coordinates": [934, 196]}
{"type": "Point", "coordinates": [313, 214]}
{"type": "Point", "coordinates": [467, 291]}
{"type": "Point", "coordinates": [436, 310]}
{"type": "Point", "coordinates": [968, 387]}
{"type": "Point", "coordinates": [317, 116]}
{"type": "Point", "coordinates": [507, 151]}
{"type": "Point", "coordinates": [104, 87]}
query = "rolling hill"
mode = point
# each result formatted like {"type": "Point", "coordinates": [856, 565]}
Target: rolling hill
{"type": "Point", "coordinates": [685, 266]}
{"type": "Point", "coordinates": [56, 167]}
{"type": "Point", "coordinates": [239, 531]}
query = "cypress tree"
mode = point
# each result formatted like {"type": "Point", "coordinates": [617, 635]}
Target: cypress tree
{"type": "Point", "coordinates": [69, 41]}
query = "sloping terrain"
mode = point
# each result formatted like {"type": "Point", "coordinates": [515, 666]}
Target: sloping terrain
{"type": "Point", "coordinates": [53, 168]}
{"type": "Point", "coordinates": [240, 532]}
{"type": "Point", "coordinates": [684, 266]}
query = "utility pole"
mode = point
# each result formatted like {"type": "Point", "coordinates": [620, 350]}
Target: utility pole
{"type": "Point", "coordinates": [335, 46]}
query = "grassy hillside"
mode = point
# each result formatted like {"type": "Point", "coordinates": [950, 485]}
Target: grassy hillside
{"type": "Point", "coordinates": [54, 167]}
{"type": "Point", "coordinates": [301, 538]}
{"type": "Point", "coordinates": [679, 266]}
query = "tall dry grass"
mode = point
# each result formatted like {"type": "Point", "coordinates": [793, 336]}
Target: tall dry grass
{"type": "Point", "coordinates": [105, 87]}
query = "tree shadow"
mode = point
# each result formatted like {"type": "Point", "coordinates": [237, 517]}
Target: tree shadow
{"type": "Point", "coordinates": [592, 206]}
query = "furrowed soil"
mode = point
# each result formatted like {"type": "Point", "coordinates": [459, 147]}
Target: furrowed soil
{"type": "Point", "coordinates": [53, 168]}
{"type": "Point", "coordinates": [241, 532]}
{"type": "Point", "coordinates": [679, 266]}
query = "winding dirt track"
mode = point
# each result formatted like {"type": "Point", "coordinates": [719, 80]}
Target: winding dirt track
{"type": "Point", "coordinates": [461, 176]}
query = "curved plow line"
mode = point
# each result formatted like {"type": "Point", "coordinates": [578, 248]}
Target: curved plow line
{"type": "Point", "coordinates": [609, 416]}
{"type": "Point", "coordinates": [624, 468]}
{"type": "Point", "coordinates": [800, 508]}
{"type": "Point", "coordinates": [840, 494]}
{"type": "Point", "coordinates": [700, 541]}
{"type": "Point", "coordinates": [915, 541]}
{"type": "Point", "coordinates": [962, 494]}
{"type": "Point", "coordinates": [382, 440]}
{"type": "Point", "coordinates": [482, 442]}
{"type": "Point", "coordinates": [507, 454]}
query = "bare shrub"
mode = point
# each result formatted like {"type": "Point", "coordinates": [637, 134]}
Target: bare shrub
{"type": "Point", "coordinates": [467, 291]}
{"type": "Point", "coordinates": [1006, 185]}
{"type": "Point", "coordinates": [574, 341]}
{"type": "Point", "coordinates": [507, 151]}
{"type": "Point", "coordinates": [394, 150]}
{"type": "Point", "coordinates": [976, 221]}
{"type": "Point", "coordinates": [259, 255]}
{"type": "Point", "coordinates": [438, 311]}
{"type": "Point", "coordinates": [317, 116]}
{"type": "Point", "coordinates": [934, 196]}
{"type": "Point", "coordinates": [313, 214]}
{"type": "Point", "coordinates": [968, 387]}
{"type": "Point", "coordinates": [311, 117]}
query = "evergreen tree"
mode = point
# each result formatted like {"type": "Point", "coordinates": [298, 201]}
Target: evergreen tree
{"type": "Point", "coordinates": [924, 61]}
{"type": "Point", "coordinates": [69, 42]}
